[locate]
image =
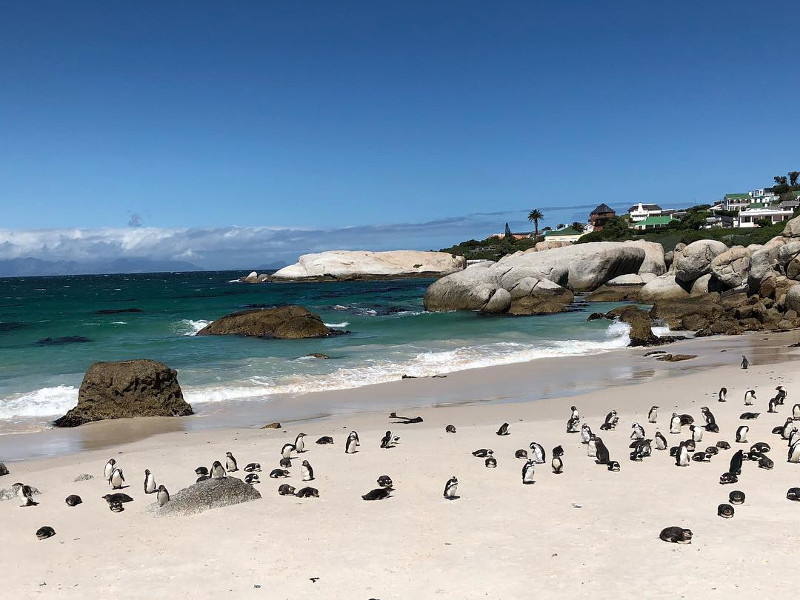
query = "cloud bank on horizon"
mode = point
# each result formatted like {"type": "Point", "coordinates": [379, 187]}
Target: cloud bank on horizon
{"type": "Point", "coordinates": [251, 247]}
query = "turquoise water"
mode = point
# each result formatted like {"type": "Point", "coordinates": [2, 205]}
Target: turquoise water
{"type": "Point", "coordinates": [391, 335]}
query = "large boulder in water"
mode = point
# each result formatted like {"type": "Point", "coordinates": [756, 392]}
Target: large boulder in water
{"type": "Point", "coordinates": [208, 494]}
{"type": "Point", "coordinates": [285, 322]}
{"type": "Point", "coordinates": [131, 388]}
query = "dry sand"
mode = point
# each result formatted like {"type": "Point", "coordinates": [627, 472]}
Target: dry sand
{"type": "Point", "coordinates": [585, 531]}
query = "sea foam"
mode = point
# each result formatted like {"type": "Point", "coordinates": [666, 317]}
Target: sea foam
{"type": "Point", "coordinates": [43, 402]}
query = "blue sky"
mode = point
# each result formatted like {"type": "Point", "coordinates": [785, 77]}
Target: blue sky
{"type": "Point", "coordinates": [329, 115]}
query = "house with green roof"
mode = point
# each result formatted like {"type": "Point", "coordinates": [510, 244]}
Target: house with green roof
{"type": "Point", "coordinates": [654, 222]}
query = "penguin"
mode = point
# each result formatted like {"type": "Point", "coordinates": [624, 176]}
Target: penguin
{"type": "Point", "coordinates": [736, 463]}
{"type": "Point", "coordinates": [749, 396]}
{"type": "Point", "coordinates": [286, 451]}
{"type": "Point", "coordinates": [765, 462]}
{"type": "Point", "coordinates": [690, 445]}
{"type": "Point", "coordinates": [682, 456]}
{"type": "Point", "coordinates": [537, 453]}
{"type": "Point", "coordinates": [201, 471]}
{"type": "Point", "coordinates": [299, 443]}
{"type": "Point", "coordinates": [793, 494]}
{"type": "Point", "coordinates": [558, 451]}
{"type": "Point", "coordinates": [482, 453]}
{"type": "Point", "coordinates": [728, 477]}
{"type": "Point", "coordinates": [503, 429]}
{"type": "Point", "coordinates": [450, 429]}
{"type": "Point", "coordinates": [675, 423]}
{"type": "Point", "coordinates": [586, 433]}
{"type": "Point", "coordinates": [741, 434]}
{"type": "Point", "coordinates": [163, 495]}
{"type": "Point", "coordinates": [701, 457]}
{"type": "Point", "coordinates": [352, 443]}
{"type": "Point", "coordinates": [217, 471]}
{"type": "Point", "coordinates": [642, 448]}
{"type": "Point", "coordinates": [117, 479]}
{"type": "Point", "coordinates": [745, 362]}
{"type": "Point", "coordinates": [286, 490]}
{"type": "Point", "coordinates": [781, 395]}
{"type": "Point", "coordinates": [787, 428]}
{"type": "Point", "coordinates": [794, 436]}
{"type": "Point", "coordinates": [285, 463]}
{"type": "Point", "coordinates": [712, 450]}
{"type": "Point", "coordinates": [490, 462]}
{"type": "Point", "coordinates": [686, 419]}
{"type": "Point", "coordinates": [796, 411]}
{"type": "Point", "coordinates": [725, 511]}
{"type": "Point", "coordinates": [149, 482]}
{"type": "Point", "coordinates": [73, 500]}
{"type": "Point", "coordinates": [527, 472]}
{"type": "Point", "coordinates": [762, 447]}
{"type": "Point", "coordinates": [27, 494]}
{"type": "Point", "coordinates": [771, 405]}
{"type": "Point", "coordinates": [794, 453]}
{"type": "Point", "coordinates": [723, 394]}
{"type": "Point", "coordinates": [230, 463]}
{"type": "Point", "coordinates": [557, 464]}
{"type": "Point", "coordinates": [602, 452]}
{"type": "Point", "coordinates": [661, 441]}
{"type": "Point", "coordinates": [109, 469]}
{"type": "Point", "coordinates": [385, 481]}
{"type": "Point", "coordinates": [386, 440]}
{"type": "Point", "coordinates": [736, 497]}
{"type": "Point", "coordinates": [276, 473]}
{"type": "Point", "coordinates": [676, 535]}
{"type": "Point", "coordinates": [115, 506]}
{"type": "Point", "coordinates": [450, 488]}
{"type": "Point", "coordinates": [574, 421]}
{"type": "Point", "coordinates": [45, 532]}
{"type": "Point", "coordinates": [591, 447]}
{"type": "Point", "coordinates": [521, 453]}
{"type": "Point", "coordinates": [697, 433]}
{"type": "Point", "coordinates": [749, 416]}
{"type": "Point", "coordinates": [652, 416]}
{"type": "Point", "coordinates": [252, 468]}
{"type": "Point", "coordinates": [611, 421]}
{"type": "Point", "coordinates": [723, 445]}
{"type": "Point", "coordinates": [325, 439]}
{"type": "Point", "coordinates": [307, 492]}
{"type": "Point", "coordinates": [377, 494]}
{"type": "Point", "coordinates": [306, 472]}
{"type": "Point", "coordinates": [708, 417]}
{"type": "Point", "coordinates": [613, 466]}
{"type": "Point", "coordinates": [638, 432]}
{"type": "Point", "coordinates": [117, 497]}
{"type": "Point", "coordinates": [252, 479]}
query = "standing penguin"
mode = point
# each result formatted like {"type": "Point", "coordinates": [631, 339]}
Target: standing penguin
{"type": "Point", "coordinates": [27, 494]}
{"type": "Point", "coordinates": [602, 452]}
{"type": "Point", "coordinates": [586, 433]}
{"type": "Point", "coordinates": [723, 394]}
{"type": "Point", "coordinates": [675, 423]}
{"type": "Point", "coordinates": [217, 470]}
{"type": "Point", "coordinates": [109, 469]}
{"type": "Point", "coordinates": [638, 432]}
{"type": "Point", "coordinates": [697, 433]}
{"type": "Point", "coordinates": [557, 464]}
{"type": "Point", "coordinates": [682, 456]}
{"type": "Point", "coordinates": [450, 488]}
{"type": "Point", "coordinates": [794, 453]}
{"type": "Point", "coordinates": [591, 447]}
{"type": "Point", "coordinates": [230, 463]}
{"type": "Point", "coordinates": [306, 472]}
{"type": "Point", "coordinates": [796, 411]}
{"type": "Point", "coordinates": [708, 416]}
{"type": "Point", "coordinates": [736, 463]}
{"type": "Point", "coordinates": [149, 482]}
{"type": "Point", "coordinates": [503, 429]}
{"type": "Point", "coordinates": [741, 434]}
{"type": "Point", "coordinates": [574, 421]}
{"type": "Point", "coordinates": [286, 451]}
{"type": "Point", "coordinates": [661, 441]}
{"type": "Point", "coordinates": [527, 472]}
{"type": "Point", "coordinates": [117, 479]}
{"type": "Point", "coordinates": [611, 421]}
{"type": "Point", "coordinates": [749, 396]}
{"type": "Point", "coordinates": [773, 402]}
{"type": "Point", "coordinates": [652, 416]}
{"type": "Point", "coordinates": [537, 453]}
{"type": "Point", "coordinates": [163, 495]}
{"type": "Point", "coordinates": [352, 443]}
{"type": "Point", "coordinates": [745, 362]}
{"type": "Point", "coordinates": [299, 444]}
{"type": "Point", "coordinates": [781, 395]}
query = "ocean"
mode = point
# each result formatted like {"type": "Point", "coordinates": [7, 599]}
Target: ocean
{"type": "Point", "coordinates": [53, 328]}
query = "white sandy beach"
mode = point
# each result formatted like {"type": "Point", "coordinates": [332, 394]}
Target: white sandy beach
{"type": "Point", "coordinates": [585, 531]}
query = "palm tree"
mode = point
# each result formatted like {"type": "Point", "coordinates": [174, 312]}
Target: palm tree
{"type": "Point", "coordinates": [534, 217]}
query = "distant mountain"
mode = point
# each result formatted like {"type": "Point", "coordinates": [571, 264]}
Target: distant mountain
{"type": "Point", "coordinates": [29, 267]}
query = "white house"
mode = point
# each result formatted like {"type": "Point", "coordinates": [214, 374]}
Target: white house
{"type": "Point", "coordinates": [641, 211]}
{"type": "Point", "coordinates": [749, 216]}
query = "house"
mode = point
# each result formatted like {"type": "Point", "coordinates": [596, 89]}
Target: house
{"type": "Point", "coordinates": [600, 216]}
{"type": "Point", "coordinates": [748, 217]}
{"type": "Point", "coordinates": [760, 196]}
{"type": "Point", "coordinates": [568, 234]}
{"type": "Point", "coordinates": [735, 202]}
{"type": "Point", "coordinates": [641, 211]}
{"type": "Point", "coordinates": [653, 222]}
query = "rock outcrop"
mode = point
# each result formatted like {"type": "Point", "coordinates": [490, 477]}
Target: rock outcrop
{"type": "Point", "coordinates": [534, 282]}
{"type": "Point", "coordinates": [731, 268]}
{"type": "Point", "coordinates": [345, 265]}
{"type": "Point", "coordinates": [285, 322]}
{"type": "Point", "coordinates": [131, 388]}
{"type": "Point", "coordinates": [208, 494]}
{"type": "Point", "coordinates": [3, 469]}
{"type": "Point", "coordinates": [254, 277]}
{"type": "Point", "coordinates": [695, 260]}
{"type": "Point", "coordinates": [664, 287]}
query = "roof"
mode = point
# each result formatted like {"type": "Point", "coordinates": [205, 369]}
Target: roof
{"type": "Point", "coordinates": [603, 208]}
{"type": "Point", "coordinates": [664, 220]}
{"type": "Point", "coordinates": [738, 196]}
{"type": "Point", "coordinates": [644, 207]}
{"type": "Point", "coordinates": [562, 232]}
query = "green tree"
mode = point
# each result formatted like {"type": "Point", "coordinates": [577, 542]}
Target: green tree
{"type": "Point", "coordinates": [578, 226]}
{"type": "Point", "coordinates": [779, 180]}
{"type": "Point", "coordinates": [793, 175]}
{"type": "Point", "coordinates": [534, 217]}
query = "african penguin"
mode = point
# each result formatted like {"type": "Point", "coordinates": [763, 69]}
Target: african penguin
{"type": "Point", "coordinates": [450, 429]}
{"type": "Point", "coordinates": [306, 472]}
{"type": "Point", "coordinates": [741, 434]}
{"type": "Point", "coordinates": [286, 451]}
{"type": "Point", "coordinates": [736, 497]}
{"type": "Point", "coordinates": [725, 511]}
{"type": "Point", "coordinates": [117, 479]}
{"type": "Point", "coordinates": [602, 452]}
{"type": "Point", "coordinates": [794, 453]}
{"type": "Point", "coordinates": [591, 447]}
{"type": "Point", "coordinates": [325, 439]}
{"type": "Point", "coordinates": [286, 490]}
{"type": "Point", "coordinates": [109, 468]}
{"type": "Point", "coordinates": [745, 362]}
{"type": "Point", "coordinates": [163, 495]}
{"type": "Point", "coordinates": [385, 481]}
{"type": "Point", "coordinates": [697, 433]}
{"type": "Point", "coordinates": [230, 463]}
{"type": "Point", "coordinates": [73, 500]}
{"type": "Point", "coordinates": [638, 432]}
{"type": "Point", "coordinates": [377, 494]}
{"type": "Point", "coordinates": [307, 492]}
{"type": "Point", "coordinates": [796, 411]}
{"type": "Point", "coordinates": [652, 416]}
{"type": "Point", "coordinates": [781, 395]}
{"type": "Point", "coordinates": [682, 456]}
{"type": "Point", "coordinates": [285, 463]}
{"type": "Point", "coordinates": [490, 462]}
{"type": "Point", "coordinates": [352, 443]}
{"type": "Point", "coordinates": [45, 532]}
{"type": "Point", "coordinates": [537, 453]}
{"type": "Point", "coordinates": [586, 433]}
{"type": "Point", "coordinates": [482, 453]}
{"type": "Point", "coordinates": [749, 396]}
{"type": "Point", "coordinates": [27, 494]}
{"type": "Point", "coordinates": [528, 472]}
{"type": "Point", "coordinates": [252, 468]}
{"type": "Point", "coordinates": [149, 482]}
{"type": "Point", "coordinates": [299, 444]}
{"type": "Point", "coordinates": [276, 473]}
{"type": "Point", "coordinates": [676, 535]}
{"type": "Point", "coordinates": [611, 421]}
{"type": "Point", "coordinates": [661, 441]}
{"type": "Point", "coordinates": [521, 453]}
{"type": "Point", "coordinates": [252, 478]}
{"type": "Point", "coordinates": [723, 394]}
{"type": "Point", "coordinates": [736, 463]}
{"type": "Point", "coordinates": [675, 423]}
{"type": "Point", "coordinates": [503, 429]}
{"type": "Point", "coordinates": [557, 464]}
{"type": "Point", "coordinates": [217, 471]}
{"type": "Point", "coordinates": [450, 488]}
